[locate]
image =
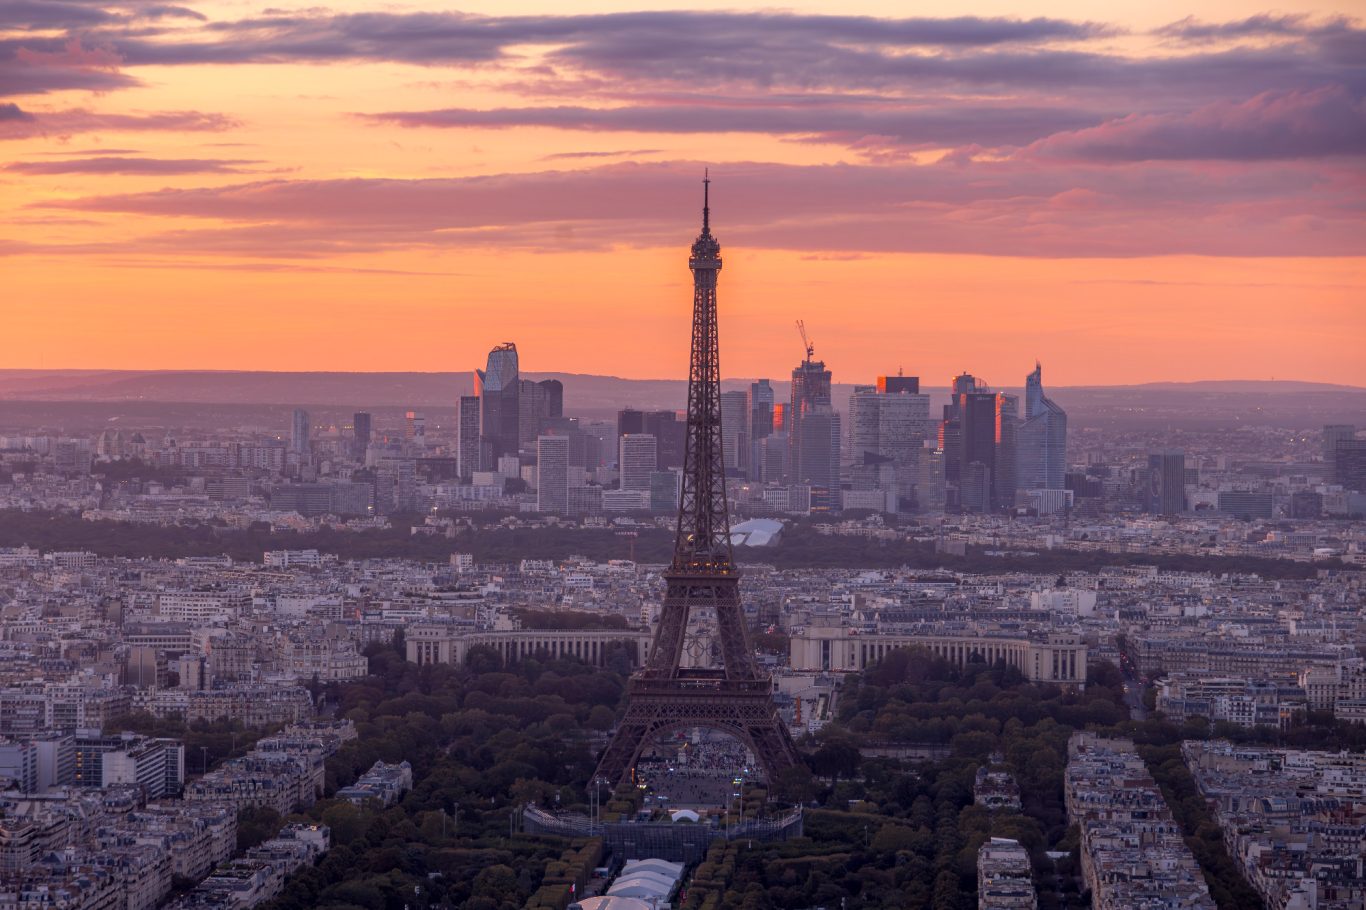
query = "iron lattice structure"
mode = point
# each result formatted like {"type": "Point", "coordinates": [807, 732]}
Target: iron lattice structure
{"type": "Point", "coordinates": [662, 696]}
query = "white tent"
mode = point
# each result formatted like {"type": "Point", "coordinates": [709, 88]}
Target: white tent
{"type": "Point", "coordinates": [757, 532]}
{"type": "Point", "coordinates": [660, 866]}
{"type": "Point", "coordinates": [609, 902]}
{"type": "Point", "coordinates": [645, 887]}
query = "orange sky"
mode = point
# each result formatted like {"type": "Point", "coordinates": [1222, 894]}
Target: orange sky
{"type": "Point", "coordinates": [324, 191]}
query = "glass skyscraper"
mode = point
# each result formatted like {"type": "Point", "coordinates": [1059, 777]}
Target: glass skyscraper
{"type": "Point", "coordinates": [1042, 439]}
{"type": "Point", "coordinates": [498, 387]}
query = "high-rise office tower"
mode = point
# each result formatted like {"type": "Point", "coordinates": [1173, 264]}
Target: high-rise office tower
{"type": "Point", "coordinates": [979, 429]}
{"type": "Point", "coordinates": [818, 441]}
{"type": "Point", "coordinates": [415, 429]}
{"type": "Point", "coordinates": [360, 427]}
{"type": "Point", "coordinates": [977, 447]}
{"type": "Point", "coordinates": [810, 395]}
{"type": "Point", "coordinates": [299, 432]}
{"type": "Point", "coordinates": [395, 484]}
{"type": "Point", "coordinates": [637, 460]}
{"type": "Point", "coordinates": [1005, 481]}
{"type": "Point", "coordinates": [552, 474]}
{"type": "Point", "coordinates": [1042, 439]}
{"type": "Point", "coordinates": [538, 403]}
{"type": "Point", "coordinates": [553, 394]}
{"type": "Point", "coordinates": [898, 385]}
{"type": "Point", "coordinates": [761, 402]}
{"type": "Point", "coordinates": [772, 463]}
{"type": "Point", "coordinates": [664, 426]}
{"type": "Point", "coordinates": [467, 437]}
{"type": "Point", "coordinates": [1349, 464]}
{"type": "Point", "coordinates": [665, 489]}
{"type": "Point", "coordinates": [951, 431]}
{"type": "Point", "coordinates": [863, 428]}
{"type": "Point", "coordinates": [889, 423]}
{"type": "Point", "coordinates": [1332, 433]}
{"type": "Point", "coordinates": [498, 387]}
{"type": "Point", "coordinates": [671, 435]}
{"type": "Point", "coordinates": [735, 426]}
{"type": "Point", "coordinates": [1167, 482]}
{"type": "Point", "coordinates": [531, 407]}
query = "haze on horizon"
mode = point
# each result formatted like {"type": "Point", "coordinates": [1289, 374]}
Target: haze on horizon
{"type": "Point", "coordinates": [1174, 192]}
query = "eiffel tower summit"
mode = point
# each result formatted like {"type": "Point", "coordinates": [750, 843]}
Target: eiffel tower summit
{"type": "Point", "coordinates": [737, 697]}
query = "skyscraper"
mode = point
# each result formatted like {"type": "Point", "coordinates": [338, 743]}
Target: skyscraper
{"type": "Point", "coordinates": [889, 423]}
{"type": "Point", "coordinates": [1042, 439]}
{"type": "Point", "coordinates": [978, 439]}
{"type": "Point", "coordinates": [735, 427]}
{"type": "Point", "coordinates": [818, 440]}
{"type": "Point", "coordinates": [951, 433]}
{"type": "Point", "coordinates": [1332, 433]}
{"type": "Point", "coordinates": [664, 426]}
{"type": "Point", "coordinates": [1004, 479]}
{"type": "Point", "coordinates": [467, 437]}
{"type": "Point", "coordinates": [810, 395]}
{"type": "Point", "coordinates": [761, 401]}
{"type": "Point", "coordinates": [360, 426]}
{"type": "Point", "coordinates": [554, 397]}
{"type": "Point", "coordinates": [637, 460]}
{"type": "Point", "coordinates": [299, 432]}
{"type": "Point", "coordinates": [415, 429]}
{"type": "Point", "coordinates": [538, 403]}
{"type": "Point", "coordinates": [977, 454]}
{"type": "Point", "coordinates": [498, 387]}
{"type": "Point", "coordinates": [552, 474]}
{"type": "Point", "coordinates": [1167, 482]}
{"type": "Point", "coordinates": [898, 385]}
{"type": "Point", "coordinates": [665, 487]}
{"type": "Point", "coordinates": [1349, 461]}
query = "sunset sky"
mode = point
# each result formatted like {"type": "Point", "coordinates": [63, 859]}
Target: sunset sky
{"type": "Point", "coordinates": [1174, 191]}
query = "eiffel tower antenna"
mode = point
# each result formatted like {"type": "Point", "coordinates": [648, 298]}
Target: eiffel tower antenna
{"type": "Point", "coordinates": [662, 696]}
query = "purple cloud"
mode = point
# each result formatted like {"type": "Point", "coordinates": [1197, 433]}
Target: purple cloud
{"type": "Point", "coordinates": [124, 165]}
{"type": "Point", "coordinates": [79, 120]}
{"type": "Point", "coordinates": [1001, 208]}
{"type": "Point", "coordinates": [1324, 122]}
{"type": "Point", "coordinates": [10, 112]}
{"type": "Point", "coordinates": [46, 15]}
{"type": "Point", "coordinates": [1260, 26]}
{"type": "Point", "coordinates": [1036, 63]}
{"type": "Point", "coordinates": [58, 65]}
{"type": "Point", "coordinates": [926, 127]}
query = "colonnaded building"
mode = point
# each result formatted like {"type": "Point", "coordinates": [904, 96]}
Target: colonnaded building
{"type": "Point", "coordinates": [449, 644]}
{"type": "Point", "coordinates": [1056, 657]}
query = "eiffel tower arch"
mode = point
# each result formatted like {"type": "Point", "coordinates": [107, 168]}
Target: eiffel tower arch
{"type": "Point", "coordinates": [737, 697]}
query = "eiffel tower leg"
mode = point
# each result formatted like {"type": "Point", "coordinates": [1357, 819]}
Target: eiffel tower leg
{"type": "Point", "coordinates": [774, 749]}
{"type": "Point", "coordinates": [627, 743]}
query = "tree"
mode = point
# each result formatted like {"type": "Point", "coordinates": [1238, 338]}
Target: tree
{"type": "Point", "coordinates": [346, 822]}
{"type": "Point", "coordinates": [836, 758]}
{"type": "Point", "coordinates": [255, 826]}
{"type": "Point", "coordinates": [601, 717]}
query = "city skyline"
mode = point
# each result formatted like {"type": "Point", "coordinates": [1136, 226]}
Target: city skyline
{"type": "Point", "coordinates": [911, 566]}
{"type": "Point", "coordinates": [1171, 193]}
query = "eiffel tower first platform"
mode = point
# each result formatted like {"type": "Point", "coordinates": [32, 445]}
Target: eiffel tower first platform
{"type": "Point", "coordinates": [662, 696]}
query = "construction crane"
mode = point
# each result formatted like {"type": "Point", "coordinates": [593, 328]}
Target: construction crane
{"type": "Point", "coordinates": [806, 342]}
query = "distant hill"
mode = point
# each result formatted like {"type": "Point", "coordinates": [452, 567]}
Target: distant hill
{"type": "Point", "coordinates": [24, 393]}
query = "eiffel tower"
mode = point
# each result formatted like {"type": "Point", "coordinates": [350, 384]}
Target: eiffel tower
{"type": "Point", "coordinates": [737, 697]}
